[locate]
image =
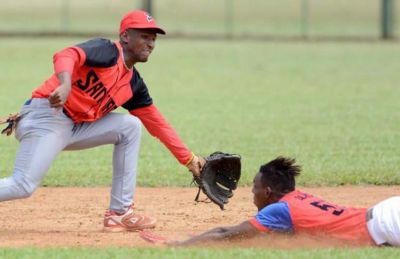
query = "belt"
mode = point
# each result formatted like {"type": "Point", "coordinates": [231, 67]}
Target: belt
{"type": "Point", "coordinates": [28, 102]}
{"type": "Point", "coordinates": [369, 214]}
{"type": "Point", "coordinates": [66, 113]}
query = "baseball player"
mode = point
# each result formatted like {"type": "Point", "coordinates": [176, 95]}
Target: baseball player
{"type": "Point", "coordinates": [72, 110]}
{"type": "Point", "coordinates": [282, 208]}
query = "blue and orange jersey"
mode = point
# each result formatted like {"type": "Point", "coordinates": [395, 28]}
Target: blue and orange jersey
{"type": "Point", "coordinates": [299, 212]}
{"type": "Point", "coordinates": [101, 82]}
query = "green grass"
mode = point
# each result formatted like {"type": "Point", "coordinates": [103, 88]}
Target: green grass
{"type": "Point", "coordinates": [333, 106]}
{"type": "Point", "coordinates": [198, 253]}
{"type": "Point", "coordinates": [257, 17]}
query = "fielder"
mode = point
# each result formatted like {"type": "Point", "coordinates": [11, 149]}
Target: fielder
{"type": "Point", "coordinates": [72, 110]}
{"type": "Point", "coordinates": [282, 208]}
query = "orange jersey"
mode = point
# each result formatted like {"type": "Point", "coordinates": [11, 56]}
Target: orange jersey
{"type": "Point", "coordinates": [300, 212]}
{"type": "Point", "coordinates": [101, 82]}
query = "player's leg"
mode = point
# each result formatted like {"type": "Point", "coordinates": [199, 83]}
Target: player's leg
{"type": "Point", "coordinates": [42, 133]}
{"type": "Point", "coordinates": [124, 131]}
{"type": "Point", "coordinates": [384, 223]}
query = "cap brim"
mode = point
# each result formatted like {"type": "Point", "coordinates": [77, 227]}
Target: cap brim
{"type": "Point", "coordinates": [144, 27]}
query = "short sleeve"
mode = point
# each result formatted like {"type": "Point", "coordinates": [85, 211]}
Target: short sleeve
{"type": "Point", "coordinates": [276, 217]}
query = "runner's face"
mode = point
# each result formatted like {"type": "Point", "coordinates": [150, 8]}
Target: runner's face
{"type": "Point", "coordinates": [140, 44]}
{"type": "Point", "coordinates": [260, 193]}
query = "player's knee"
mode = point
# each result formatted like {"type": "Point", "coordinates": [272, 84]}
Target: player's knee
{"type": "Point", "coordinates": [132, 126]}
{"type": "Point", "coordinates": [133, 121]}
{"type": "Point", "coordinates": [23, 194]}
{"type": "Point", "coordinates": [25, 189]}
{"type": "Point", "coordinates": [26, 192]}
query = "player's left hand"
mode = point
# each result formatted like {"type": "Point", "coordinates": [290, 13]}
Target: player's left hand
{"type": "Point", "coordinates": [196, 165]}
{"type": "Point", "coordinates": [59, 96]}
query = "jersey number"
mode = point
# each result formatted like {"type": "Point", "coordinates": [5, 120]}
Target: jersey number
{"type": "Point", "coordinates": [327, 207]}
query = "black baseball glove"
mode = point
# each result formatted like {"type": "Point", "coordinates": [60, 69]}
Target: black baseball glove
{"type": "Point", "coordinates": [219, 177]}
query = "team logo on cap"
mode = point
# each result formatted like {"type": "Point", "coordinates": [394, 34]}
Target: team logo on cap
{"type": "Point", "coordinates": [148, 17]}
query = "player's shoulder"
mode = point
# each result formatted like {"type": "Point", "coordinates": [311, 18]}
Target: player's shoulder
{"type": "Point", "coordinates": [280, 207]}
{"type": "Point", "coordinates": [97, 42]}
{"type": "Point", "coordinates": [276, 216]}
{"type": "Point", "coordinates": [141, 96]}
{"type": "Point", "coordinates": [137, 83]}
{"type": "Point", "coordinates": [136, 78]}
{"type": "Point", "coordinates": [296, 195]}
{"type": "Point", "coordinates": [100, 52]}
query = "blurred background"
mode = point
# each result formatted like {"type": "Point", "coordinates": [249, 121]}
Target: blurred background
{"type": "Point", "coordinates": [264, 19]}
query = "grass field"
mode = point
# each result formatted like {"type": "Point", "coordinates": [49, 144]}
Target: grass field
{"type": "Point", "coordinates": [333, 106]}
{"type": "Point", "coordinates": [257, 17]}
{"type": "Point", "coordinates": [199, 253]}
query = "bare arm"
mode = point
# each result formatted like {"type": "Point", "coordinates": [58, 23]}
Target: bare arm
{"type": "Point", "coordinates": [243, 230]}
{"type": "Point", "coordinates": [60, 95]}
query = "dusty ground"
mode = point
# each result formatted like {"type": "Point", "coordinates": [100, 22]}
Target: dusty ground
{"type": "Point", "coordinates": [72, 217]}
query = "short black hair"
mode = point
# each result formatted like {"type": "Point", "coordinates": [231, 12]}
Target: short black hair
{"type": "Point", "coordinates": [279, 175]}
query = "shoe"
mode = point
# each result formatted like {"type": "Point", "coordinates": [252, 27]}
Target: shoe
{"type": "Point", "coordinates": [129, 221]}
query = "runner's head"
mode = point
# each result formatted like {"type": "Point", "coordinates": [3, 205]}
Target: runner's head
{"type": "Point", "coordinates": [274, 179]}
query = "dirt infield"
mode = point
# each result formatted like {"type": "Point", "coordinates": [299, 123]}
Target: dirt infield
{"type": "Point", "coordinates": [72, 217]}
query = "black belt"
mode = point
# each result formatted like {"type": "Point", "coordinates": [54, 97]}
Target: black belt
{"type": "Point", "coordinates": [66, 113]}
{"type": "Point", "coordinates": [369, 214]}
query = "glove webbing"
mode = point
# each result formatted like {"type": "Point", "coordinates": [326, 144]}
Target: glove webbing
{"type": "Point", "coordinates": [196, 199]}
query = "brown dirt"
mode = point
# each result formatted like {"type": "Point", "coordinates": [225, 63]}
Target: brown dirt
{"type": "Point", "coordinates": [72, 217]}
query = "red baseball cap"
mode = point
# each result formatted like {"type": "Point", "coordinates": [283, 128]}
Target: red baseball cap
{"type": "Point", "coordinates": [138, 19]}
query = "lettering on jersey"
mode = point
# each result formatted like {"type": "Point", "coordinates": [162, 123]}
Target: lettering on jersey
{"type": "Point", "coordinates": [327, 207]}
{"type": "Point", "coordinates": [109, 106]}
{"type": "Point", "coordinates": [91, 78]}
{"type": "Point", "coordinates": [96, 89]}
{"type": "Point", "coordinates": [93, 87]}
{"type": "Point", "coordinates": [97, 92]}
{"type": "Point", "coordinates": [301, 196]}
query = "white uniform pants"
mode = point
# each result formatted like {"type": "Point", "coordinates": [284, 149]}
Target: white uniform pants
{"type": "Point", "coordinates": [44, 132]}
{"type": "Point", "coordinates": [384, 223]}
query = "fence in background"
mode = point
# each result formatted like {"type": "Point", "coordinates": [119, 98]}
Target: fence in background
{"type": "Point", "coordinates": [360, 19]}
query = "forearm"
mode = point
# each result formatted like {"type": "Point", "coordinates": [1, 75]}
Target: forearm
{"type": "Point", "coordinates": [60, 95]}
{"type": "Point", "coordinates": [158, 127]}
{"type": "Point", "coordinates": [243, 230]}
{"type": "Point", "coordinates": [219, 233]}
{"type": "Point", "coordinates": [65, 79]}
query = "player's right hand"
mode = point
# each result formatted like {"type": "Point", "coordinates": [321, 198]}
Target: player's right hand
{"type": "Point", "coordinates": [59, 96]}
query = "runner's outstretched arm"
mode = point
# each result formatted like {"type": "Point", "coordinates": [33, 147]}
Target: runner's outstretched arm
{"type": "Point", "coordinates": [243, 230]}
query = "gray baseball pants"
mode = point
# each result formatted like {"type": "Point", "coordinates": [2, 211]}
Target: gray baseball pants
{"type": "Point", "coordinates": [44, 132]}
